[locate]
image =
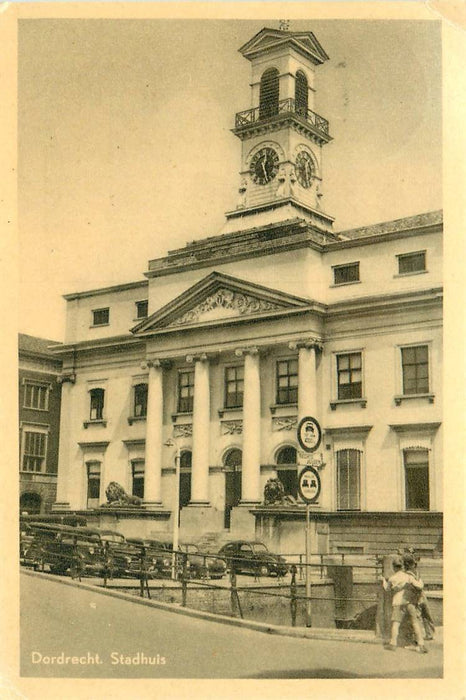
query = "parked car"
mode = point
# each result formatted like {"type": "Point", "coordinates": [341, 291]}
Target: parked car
{"type": "Point", "coordinates": [201, 564]}
{"type": "Point", "coordinates": [158, 556]}
{"type": "Point", "coordinates": [54, 519]}
{"type": "Point", "coordinates": [124, 556]}
{"type": "Point", "coordinates": [64, 548]}
{"type": "Point", "coordinates": [253, 557]}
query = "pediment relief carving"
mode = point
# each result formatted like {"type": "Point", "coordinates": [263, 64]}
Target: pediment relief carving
{"type": "Point", "coordinates": [225, 303]}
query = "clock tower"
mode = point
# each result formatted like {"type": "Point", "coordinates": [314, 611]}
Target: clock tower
{"type": "Point", "coordinates": [281, 135]}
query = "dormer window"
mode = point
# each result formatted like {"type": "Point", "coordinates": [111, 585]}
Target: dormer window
{"type": "Point", "coordinates": [269, 93]}
{"type": "Point", "coordinates": [301, 94]}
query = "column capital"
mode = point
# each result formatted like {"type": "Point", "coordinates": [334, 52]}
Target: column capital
{"type": "Point", "coordinates": [308, 343]}
{"type": "Point", "coordinates": [69, 377]}
{"type": "Point", "coordinates": [252, 350]}
{"type": "Point", "coordinates": [157, 363]}
{"type": "Point", "coordinates": [200, 357]}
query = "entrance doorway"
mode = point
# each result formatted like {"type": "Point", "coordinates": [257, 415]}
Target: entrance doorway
{"type": "Point", "coordinates": [232, 463]}
{"type": "Point", "coordinates": [30, 503]}
{"type": "Point", "coordinates": [185, 478]}
{"type": "Point", "coordinates": [287, 471]}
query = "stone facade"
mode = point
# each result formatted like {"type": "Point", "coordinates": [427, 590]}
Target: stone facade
{"type": "Point", "coordinates": [39, 423]}
{"type": "Point", "coordinates": [276, 318]}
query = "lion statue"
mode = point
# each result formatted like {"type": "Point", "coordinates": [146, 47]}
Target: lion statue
{"type": "Point", "coordinates": [117, 496]}
{"type": "Point", "coordinates": [274, 494]}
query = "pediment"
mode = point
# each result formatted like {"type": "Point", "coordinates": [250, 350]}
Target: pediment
{"type": "Point", "coordinates": [268, 39]}
{"type": "Point", "coordinates": [218, 298]}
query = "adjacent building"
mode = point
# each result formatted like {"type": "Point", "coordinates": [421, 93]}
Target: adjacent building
{"type": "Point", "coordinates": [39, 423]}
{"type": "Point", "coordinates": [211, 360]}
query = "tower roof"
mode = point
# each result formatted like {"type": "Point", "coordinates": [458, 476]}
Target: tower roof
{"type": "Point", "coordinates": [269, 39]}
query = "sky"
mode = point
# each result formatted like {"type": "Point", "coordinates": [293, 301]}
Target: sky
{"type": "Point", "coordinates": [125, 149]}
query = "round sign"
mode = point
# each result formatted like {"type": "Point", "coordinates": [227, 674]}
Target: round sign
{"type": "Point", "coordinates": [309, 434]}
{"type": "Point", "coordinates": [309, 484]}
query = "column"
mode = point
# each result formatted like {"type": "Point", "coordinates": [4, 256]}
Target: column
{"type": "Point", "coordinates": [63, 483]}
{"type": "Point", "coordinates": [250, 483]}
{"type": "Point", "coordinates": [307, 377]}
{"type": "Point", "coordinates": [201, 431]}
{"type": "Point", "coordinates": [154, 423]}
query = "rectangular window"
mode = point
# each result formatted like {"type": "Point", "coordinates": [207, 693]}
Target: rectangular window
{"type": "Point", "coordinates": [349, 376]}
{"type": "Point", "coordinates": [416, 464]}
{"type": "Point", "coordinates": [93, 484]}
{"type": "Point", "coordinates": [97, 404]}
{"type": "Point", "coordinates": [412, 262]}
{"type": "Point", "coordinates": [348, 480]}
{"type": "Point", "coordinates": [36, 396]}
{"type": "Point", "coordinates": [137, 467]}
{"type": "Point", "coordinates": [287, 381]}
{"type": "Point", "coordinates": [142, 308]}
{"type": "Point", "coordinates": [100, 317]}
{"type": "Point", "coordinates": [234, 386]}
{"type": "Point", "coordinates": [415, 368]}
{"type": "Point", "coordinates": [343, 274]}
{"type": "Point", "coordinates": [34, 451]}
{"type": "Point", "coordinates": [140, 401]}
{"type": "Point", "coordinates": [185, 391]}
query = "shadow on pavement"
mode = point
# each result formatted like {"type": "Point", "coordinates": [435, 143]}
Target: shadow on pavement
{"type": "Point", "coordinates": [337, 673]}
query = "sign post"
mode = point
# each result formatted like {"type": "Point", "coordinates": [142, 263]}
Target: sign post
{"type": "Point", "coordinates": [309, 438]}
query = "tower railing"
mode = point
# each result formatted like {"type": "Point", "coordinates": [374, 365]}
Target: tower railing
{"type": "Point", "coordinates": [288, 106]}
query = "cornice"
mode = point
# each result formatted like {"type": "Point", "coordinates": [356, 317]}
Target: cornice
{"type": "Point", "coordinates": [415, 427]}
{"type": "Point", "coordinates": [349, 430]}
{"type": "Point", "coordinates": [314, 308]}
{"type": "Point", "coordinates": [256, 242]}
{"type": "Point", "coordinates": [105, 290]}
{"type": "Point", "coordinates": [113, 342]}
{"type": "Point", "coordinates": [419, 225]}
{"type": "Point", "coordinates": [394, 301]}
{"type": "Point", "coordinates": [279, 122]}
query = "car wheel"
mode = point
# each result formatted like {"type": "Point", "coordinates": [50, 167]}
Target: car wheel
{"type": "Point", "coordinates": [264, 570]}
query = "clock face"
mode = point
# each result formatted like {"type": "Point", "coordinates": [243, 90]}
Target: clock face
{"type": "Point", "coordinates": [264, 165]}
{"type": "Point", "coordinates": [304, 169]}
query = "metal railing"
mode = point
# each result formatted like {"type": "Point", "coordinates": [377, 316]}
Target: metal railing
{"type": "Point", "coordinates": [281, 598]}
{"type": "Point", "coordinates": [287, 106]}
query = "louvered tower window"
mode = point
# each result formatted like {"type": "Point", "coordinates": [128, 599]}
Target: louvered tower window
{"type": "Point", "coordinates": [301, 94]}
{"type": "Point", "coordinates": [268, 100]}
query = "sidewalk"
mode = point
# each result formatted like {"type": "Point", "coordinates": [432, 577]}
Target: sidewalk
{"type": "Point", "coordinates": [364, 636]}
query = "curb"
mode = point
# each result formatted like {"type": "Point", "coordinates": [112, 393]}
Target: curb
{"type": "Point", "coordinates": [363, 636]}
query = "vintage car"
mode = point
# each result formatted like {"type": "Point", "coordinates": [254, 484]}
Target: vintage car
{"type": "Point", "coordinates": [202, 564]}
{"type": "Point", "coordinates": [253, 557]}
{"type": "Point", "coordinates": [158, 557]}
{"type": "Point", "coordinates": [64, 548]}
{"type": "Point", "coordinates": [54, 519]}
{"type": "Point", "coordinates": [124, 557]}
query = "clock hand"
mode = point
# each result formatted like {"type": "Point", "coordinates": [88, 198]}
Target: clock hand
{"type": "Point", "coordinates": [263, 163]}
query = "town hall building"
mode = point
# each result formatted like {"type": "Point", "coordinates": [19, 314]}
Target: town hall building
{"type": "Point", "coordinates": [206, 366]}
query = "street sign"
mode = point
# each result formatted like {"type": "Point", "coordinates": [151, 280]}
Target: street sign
{"type": "Point", "coordinates": [309, 485]}
{"type": "Point", "coordinates": [309, 434]}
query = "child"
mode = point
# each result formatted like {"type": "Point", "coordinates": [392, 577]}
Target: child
{"type": "Point", "coordinates": [405, 588]}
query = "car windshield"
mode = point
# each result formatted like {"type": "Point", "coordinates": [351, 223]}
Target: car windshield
{"type": "Point", "coordinates": [259, 548]}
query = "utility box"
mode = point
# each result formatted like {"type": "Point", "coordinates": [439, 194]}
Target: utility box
{"type": "Point", "coordinates": [342, 577]}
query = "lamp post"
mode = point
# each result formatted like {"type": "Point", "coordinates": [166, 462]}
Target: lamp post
{"type": "Point", "coordinates": [176, 507]}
